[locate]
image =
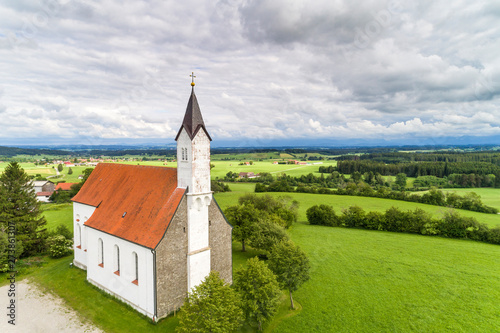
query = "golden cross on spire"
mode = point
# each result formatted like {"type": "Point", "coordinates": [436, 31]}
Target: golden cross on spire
{"type": "Point", "coordinates": [192, 80]}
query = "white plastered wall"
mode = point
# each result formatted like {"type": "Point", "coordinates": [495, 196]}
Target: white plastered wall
{"type": "Point", "coordinates": [184, 169]}
{"type": "Point", "coordinates": [81, 213]}
{"type": "Point", "coordinates": [201, 163]}
{"type": "Point", "coordinates": [141, 295]}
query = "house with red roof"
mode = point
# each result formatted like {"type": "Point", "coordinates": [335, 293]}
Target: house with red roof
{"type": "Point", "coordinates": [64, 186]}
{"type": "Point", "coordinates": [148, 235]}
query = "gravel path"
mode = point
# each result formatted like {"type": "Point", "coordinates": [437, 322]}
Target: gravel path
{"type": "Point", "coordinates": [39, 312]}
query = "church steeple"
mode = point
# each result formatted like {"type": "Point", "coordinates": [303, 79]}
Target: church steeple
{"type": "Point", "coordinates": [193, 120]}
{"type": "Point", "coordinates": [193, 149]}
{"type": "Point", "coordinates": [193, 174]}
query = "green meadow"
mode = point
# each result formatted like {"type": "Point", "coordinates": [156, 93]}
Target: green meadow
{"type": "Point", "coordinates": [369, 281]}
{"type": "Point", "coordinates": [339, 202]}
{"type": "Point", "coordinates": [489, 196]}
{"type": "Point", "coordinates": [221, 168]}
{"type": "Point", "coordinates": [361, 281]}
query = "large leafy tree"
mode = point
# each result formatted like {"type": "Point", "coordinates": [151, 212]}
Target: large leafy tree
{"type": "Point", "coordinates": [212, 306]}
{"type": "Point", "coordinates": [291, 266]}
{"type": "Point", "coordinates": [243, 219]}
{"type": "Point", "coordinates": [259, 291]}
{"type": "Point", "coordinates": [20, 207]}
{"type": "Point", "coordinates": [266, 233]}
{"type": "Point", "coordinates": [401, 180]}
{"type": "Point", "coordinates": [284, 207]}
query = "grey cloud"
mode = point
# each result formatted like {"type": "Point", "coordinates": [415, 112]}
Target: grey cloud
{"type": "Point", "coordinates": [264, 68]}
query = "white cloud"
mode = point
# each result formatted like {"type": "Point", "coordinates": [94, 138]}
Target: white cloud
{"type": "Point", "coordinates": [265, 69]}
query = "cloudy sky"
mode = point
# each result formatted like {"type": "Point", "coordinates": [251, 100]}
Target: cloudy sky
{"type": "Point", "coordinates": [267, 71]}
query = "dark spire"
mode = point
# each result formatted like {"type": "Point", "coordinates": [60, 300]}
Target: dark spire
{"type": "Point", "coordinates": [193, 120]}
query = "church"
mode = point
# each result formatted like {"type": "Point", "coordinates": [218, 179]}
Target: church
{"type": "Point", "coordinates": [147, 235]}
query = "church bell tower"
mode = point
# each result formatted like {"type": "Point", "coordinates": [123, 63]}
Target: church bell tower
{"type": "Point", "coordinates": [193, 173]}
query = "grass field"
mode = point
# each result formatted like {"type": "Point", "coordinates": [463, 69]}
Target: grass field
{"type": "Point", "coordinates": [369, 281]}
{"type": "Point", "coordinates": [57, 214]}
{"type": "Point", "coordinates": [339, 202]}
{"type": "Point", "coordinates": [361, 281]}
{"type": "Point", "coordinates": [489, 196]}
{"type": "Point", "coordinates": [223, 167]}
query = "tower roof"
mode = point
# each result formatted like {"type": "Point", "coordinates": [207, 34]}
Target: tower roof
{"type": "Point", "coordinates": [193, 120]}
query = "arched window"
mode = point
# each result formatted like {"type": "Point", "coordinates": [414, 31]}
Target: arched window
{"type": "Point", "coordinates": [116, 254]}
{"type": "Point", "coordinates": [78, 236]}
{"type": "Point", "coordinates": [135, 258]}
{"type": "Point", "coordinates": [100, 252]}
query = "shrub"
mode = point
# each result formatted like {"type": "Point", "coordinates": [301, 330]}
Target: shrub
{"type": "Point", "coordinates": [494, 235]}
{"type": "Point", "coordinates": [353, 217]}
{"type": "Point", "coordinates": [374, 220]}
{"type": "Point", "coordinates": [395, 220]}
{"type": "Point", "coordinates": [59, 246]}
{"type": "Point", "coordinates": [455, 226]}
{"type": "Point", "coordinates": [417, 221]}
{"type": "Point", "coordinates": [64, 231]}
{"type": "Point", "coordinates": [322, 215]}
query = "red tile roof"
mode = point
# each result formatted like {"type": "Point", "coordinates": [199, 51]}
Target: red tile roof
{"type": "Point", "coordinates": [44, 194]}
{"type": "Point", "coordinates": [148, 195]}
{"type": "Point", "coordinates": [64, 186]}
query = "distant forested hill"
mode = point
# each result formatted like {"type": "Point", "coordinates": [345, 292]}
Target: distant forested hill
{"type": "Point", "coordinates": [12, 151]}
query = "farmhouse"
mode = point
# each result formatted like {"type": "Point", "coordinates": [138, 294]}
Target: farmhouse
{"type": "Point", "coordinates": [148, 235]}
{"type": "Point", "coordinates": [43, 189]}
{"type": "Point", "coordinates": [43, 186]}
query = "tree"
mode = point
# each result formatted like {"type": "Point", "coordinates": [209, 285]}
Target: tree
{"type": "Point", "coordinates": [243, 218]}
{"type": "Point", "coordinates": [259, 290]}
{"type": "Point", "coordinates": [20, 207]}
{"type": "Point", "coordinates": [60, 167]}
{"type": "Point", "coordinates": [267, 233]}
{"type": "Point", "coordinates": [356, 176]}
{"type": "Point", "coordinates": [4, 250]}
{"type": "Point", "coordinates": [283, 206]}
{"type": "Point", "coordinates": [70, 171]}
{"type": "Point", "coordinates": [212, 306]}
{"type": "Point", "coordinates": [401, 181]}
{"type": "Point", "coordinates": [291, 266]}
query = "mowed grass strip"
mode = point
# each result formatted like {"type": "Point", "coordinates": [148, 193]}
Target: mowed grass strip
{"type": "Point", "coordinates": [369, 281]}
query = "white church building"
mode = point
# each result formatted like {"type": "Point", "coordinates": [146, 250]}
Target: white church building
{"type": "Point", "coordinates": [147, 235]}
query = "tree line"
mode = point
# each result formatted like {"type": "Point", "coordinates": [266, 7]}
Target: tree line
{"type": "Point", "coordinates": [469, 201]}
{"type": "Point", "coordinates": [418, 221]}
{"type": "Point", "coordinates": [438, 169]}
{"type": "Point", "coordinates": [400, 157]}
